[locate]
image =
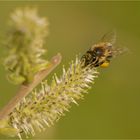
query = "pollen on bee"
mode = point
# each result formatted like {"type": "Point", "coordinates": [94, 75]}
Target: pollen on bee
{"type": "Point", "coordinates": [105, 64]}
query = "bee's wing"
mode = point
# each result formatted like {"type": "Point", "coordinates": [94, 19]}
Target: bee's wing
{"type": "Point", "coordinates": [109, 37]}
{"type": "Point", "coordinates": [120, 51]}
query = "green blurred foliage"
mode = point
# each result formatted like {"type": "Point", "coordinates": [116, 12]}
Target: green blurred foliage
{"type": "Point", "coordinates": [111, 109]}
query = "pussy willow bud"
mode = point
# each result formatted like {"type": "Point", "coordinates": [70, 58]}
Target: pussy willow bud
{"type": "Point", "coordinates": [44, 107]}
{"type": "Point", "coordinates": [24, 41]}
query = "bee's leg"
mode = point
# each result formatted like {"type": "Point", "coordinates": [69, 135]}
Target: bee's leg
{"type": "Point", "coordinates": [109, 58]}
{"type": "Point", "coordinates": [96, 64]}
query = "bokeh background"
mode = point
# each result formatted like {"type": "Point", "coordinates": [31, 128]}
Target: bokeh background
{"type": "Point", "coordinates": [111, 110]}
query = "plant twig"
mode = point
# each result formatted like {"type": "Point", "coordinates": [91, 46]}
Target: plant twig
{"type": "Point", "coordinates": [26, 89]}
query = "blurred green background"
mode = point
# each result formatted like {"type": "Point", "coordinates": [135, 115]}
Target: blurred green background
{"type": "Point", "coordinates": [111, 110]}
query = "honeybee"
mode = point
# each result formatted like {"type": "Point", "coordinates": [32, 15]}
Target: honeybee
{"type": "Point", "coordinates": [101, 53]}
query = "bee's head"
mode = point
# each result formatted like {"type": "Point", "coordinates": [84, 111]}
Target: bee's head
{"type": "Point", "coordinates": [103, 53]}
{"type": "Point", "coordinates": [102, 49]}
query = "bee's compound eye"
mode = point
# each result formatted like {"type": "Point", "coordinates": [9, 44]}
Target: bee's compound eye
{"type": "Point", "coordinates": [105, 64]}
{"type": "Point", "coordinates": [99, 51]}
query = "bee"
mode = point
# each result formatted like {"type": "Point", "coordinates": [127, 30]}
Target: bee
{"type": "Point", "coordinates": [101, 53]}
